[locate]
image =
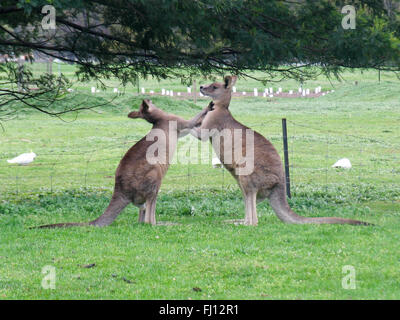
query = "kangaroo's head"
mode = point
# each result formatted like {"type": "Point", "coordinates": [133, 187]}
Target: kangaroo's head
{"type": "Point", "coordinates": [220, 92]}
{"type": "Point", "coordinates": [149, 112]}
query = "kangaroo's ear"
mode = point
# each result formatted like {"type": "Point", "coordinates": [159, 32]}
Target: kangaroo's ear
{"type": "Point", "coordinates": [134, 115]}
{"type": "Point", "coordinates": [144, 108]}
{"type": "Point", "coordinates": [230, 81]}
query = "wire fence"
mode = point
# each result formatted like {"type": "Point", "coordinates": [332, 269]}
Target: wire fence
{"type": "Point", "coordinates": [176, 91]}
{"type": "Point", "coordinates": [312, 152]}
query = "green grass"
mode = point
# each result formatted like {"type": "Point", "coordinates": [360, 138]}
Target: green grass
{"type": "Point", "coordinates": [72, 178]}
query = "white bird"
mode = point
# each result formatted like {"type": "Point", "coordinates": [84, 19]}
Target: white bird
{"type": "Point", "coordinates": [342, 163]}
{"type": "Point", "coordinates": [216, 163]}
{"type": "Point", "coordinates": [23, 159]}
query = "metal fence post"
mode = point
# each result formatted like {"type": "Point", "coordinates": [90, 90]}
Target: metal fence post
{"type": "Point", "coordinates": [286, 155]}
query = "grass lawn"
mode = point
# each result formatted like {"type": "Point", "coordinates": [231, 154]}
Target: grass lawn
{"type": "Point", "coordinates": [72, 179]}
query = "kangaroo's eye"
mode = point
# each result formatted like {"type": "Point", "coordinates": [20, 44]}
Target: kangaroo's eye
{"type": "Point", "coordinates": [215, 87]}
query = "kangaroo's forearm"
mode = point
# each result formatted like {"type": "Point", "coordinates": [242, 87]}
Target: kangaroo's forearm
{"type": "Point", "coordinates": [196, 121]}
{"type": "Point", "coordinates": [196, 132]}
{"type": "Point", "coordinates": [200, 134]}
{"type": "Point", "coordinates": [193, 126]}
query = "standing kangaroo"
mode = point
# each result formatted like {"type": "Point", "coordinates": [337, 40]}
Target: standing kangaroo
{"type": "Point", "coordinates": [140, 172]}
{"type": "Point", "coordinates": [266, 178]}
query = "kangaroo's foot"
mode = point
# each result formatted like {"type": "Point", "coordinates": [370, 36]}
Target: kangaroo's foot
{"type": "Point", "coordinates": [150, 213]}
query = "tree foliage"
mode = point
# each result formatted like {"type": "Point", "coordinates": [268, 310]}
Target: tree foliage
{"type": "Point", "coordinates": [128, 39]}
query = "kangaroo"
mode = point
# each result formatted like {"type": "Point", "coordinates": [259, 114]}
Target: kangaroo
{"type": "Point", "coordinates": [140, 172]}
{"type": "Point", "coordinates": [266, 178]}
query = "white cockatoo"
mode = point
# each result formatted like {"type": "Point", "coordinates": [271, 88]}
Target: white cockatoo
{"type": "Point", "coordinates": [23, 159]}
{"type": "Point", "coordinates": [342, 163]}
{"type": "Point", "coordinates": [216, 163]}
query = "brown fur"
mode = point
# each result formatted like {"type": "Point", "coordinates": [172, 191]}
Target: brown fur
{"type": "Point", "coordinates": [267, 180]}
{"type": "Point", "coordinates": [136, 180]}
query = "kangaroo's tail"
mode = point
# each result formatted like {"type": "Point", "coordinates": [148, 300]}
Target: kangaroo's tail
{"type": "Point", "coordinates": [282, 209]}
{"type": "Point", "coordinates": [61, 225]}
{"type": "Point", "coordinates": [117, 204]}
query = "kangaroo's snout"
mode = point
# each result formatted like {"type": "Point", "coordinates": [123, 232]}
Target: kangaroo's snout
{"type": "Point", "coordinates": [209, 91]}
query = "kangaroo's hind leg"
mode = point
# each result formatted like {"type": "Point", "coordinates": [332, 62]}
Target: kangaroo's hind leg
{"type": "Point", "coordinates": [251, 218]}
{"type": "Point", "coordinates": [150, 213]}
{"type": "Point", "coordinates": [142, 214]}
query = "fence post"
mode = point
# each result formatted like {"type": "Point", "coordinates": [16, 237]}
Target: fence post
{"type": "Point", "coordinates": [286, 156]}
{"type": "Point", "coordinates": [223, 178]}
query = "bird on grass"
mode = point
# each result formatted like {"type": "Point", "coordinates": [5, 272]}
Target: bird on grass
{"type": "Point", "coordinates": [23, 159]}
{"type": "Point", "coordinates": [342, 163]}
{"type": "Point", "coordinates": [216, 163]}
